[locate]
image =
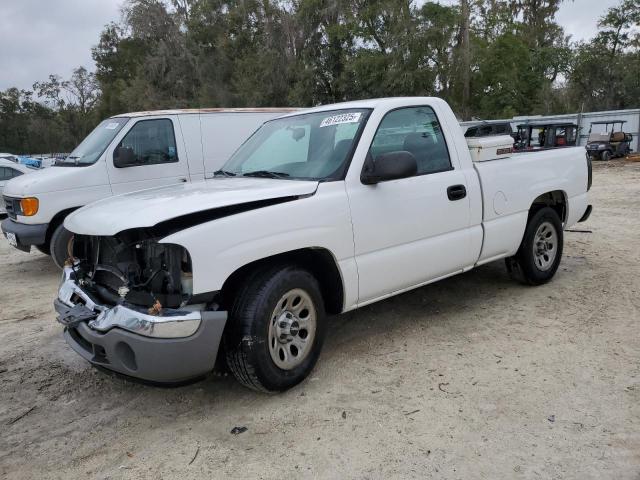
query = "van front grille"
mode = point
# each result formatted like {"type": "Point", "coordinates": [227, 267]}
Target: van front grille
{"type": "Point", "coordinates": [12, 206]}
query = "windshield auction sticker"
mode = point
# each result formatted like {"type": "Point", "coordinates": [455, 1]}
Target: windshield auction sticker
{"type": "Point", "coordinates": [342, 118]}
{"type": "Point", "coordinates": [111, 126]}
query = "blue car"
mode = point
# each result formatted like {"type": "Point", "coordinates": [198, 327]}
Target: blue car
{"type": "Point", "coordinates": [30, 162]}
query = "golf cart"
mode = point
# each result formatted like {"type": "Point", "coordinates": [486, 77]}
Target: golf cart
{"type": "Point", "coordinates": [542, 136]}
{"type": "Point", "coordinates": [610, 143]}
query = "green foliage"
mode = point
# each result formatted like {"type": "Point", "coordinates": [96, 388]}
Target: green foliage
{"type": "Point", "coordinates": [191, 53]}
{"type": "Point", "coordinates": [604, 73]}
{"type": "Point", "coordinates": [62, 116]}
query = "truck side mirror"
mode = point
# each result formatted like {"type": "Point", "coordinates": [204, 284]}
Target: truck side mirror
{"type": "Point", "coordinates": [124, 157]}
{"type": "Point", "coordinates": [389, 166]}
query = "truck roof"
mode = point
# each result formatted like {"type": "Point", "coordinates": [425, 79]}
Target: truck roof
{"type": "Point", "coordinates": [373, 103]}
{"type": "Point", "coordinates": [186, 111]}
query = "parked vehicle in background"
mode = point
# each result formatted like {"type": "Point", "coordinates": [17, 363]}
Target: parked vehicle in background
{"type": "Point", "coordinates": [30, 161]}
{"type": "Point", "coordinates": [486, 129]}
{"type": "Point", "coordinates": [319, 212]}
{"type": "Point", "coordinates": [9, 156]}
{"type": "Point", "coordinates": [612, 143]}
{"type": "Point", "coordinates": [8, 170]}
{"type": "Point", "coordinates": [127, 152]}
{"type": "Point", "coordinates": [542, 136]}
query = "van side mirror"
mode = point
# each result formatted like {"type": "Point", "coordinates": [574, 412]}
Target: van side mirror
{"type": "Point", "coordinates": [124, 157]}
{"type": "Point", "coordinates": [389, 166]}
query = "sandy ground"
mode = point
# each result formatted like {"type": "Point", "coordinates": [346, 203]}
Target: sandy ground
{"type": "Point", "coordinates": [473, 377]}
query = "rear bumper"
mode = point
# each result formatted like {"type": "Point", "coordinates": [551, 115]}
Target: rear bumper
{"type": "Point", "coordinates": [173, 347]}
{"type": "Point", "coordinates": [26, 235]}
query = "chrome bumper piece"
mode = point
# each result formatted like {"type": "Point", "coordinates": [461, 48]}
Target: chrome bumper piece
{"type": "Point", "coordinates": [170, 323]}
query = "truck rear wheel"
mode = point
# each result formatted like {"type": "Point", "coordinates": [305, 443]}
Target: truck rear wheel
{"type": "Point", "coordinates": [276, 329]}
{"type": "Point", "coordinates": [538, 257]}
{"type": "Point", "coordinates": [59, 245]}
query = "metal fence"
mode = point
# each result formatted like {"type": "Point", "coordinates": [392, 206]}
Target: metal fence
{"type": "Point", "coordinates": [583, 120]}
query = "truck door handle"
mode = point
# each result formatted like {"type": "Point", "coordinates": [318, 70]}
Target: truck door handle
{"type": "Point", "coordinates": [456, 192]}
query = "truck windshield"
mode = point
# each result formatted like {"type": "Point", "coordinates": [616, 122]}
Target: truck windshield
{"type": "Point", "coordinates": [94, 144]}
{"type": "Point", "coordinates": [313, 146]}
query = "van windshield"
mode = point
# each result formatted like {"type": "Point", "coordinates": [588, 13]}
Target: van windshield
{"type": "Point", "coordinates": [313, 146]}
{"type": "Point", "coordinates": [94, 144]}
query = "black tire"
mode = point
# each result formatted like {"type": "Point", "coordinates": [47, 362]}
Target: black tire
{"type": "Point", "coordinates": [246, 337]}
{"type": "Point", "coordinates": [523, 266]}
{"type": "Point", "coordinates": [44, 248]}
{"type": "Point", "coordinates": [606, 156]}
{"type": "Point", "coordinates": [59, 245]}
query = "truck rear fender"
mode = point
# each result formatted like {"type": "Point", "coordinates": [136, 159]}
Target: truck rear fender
{"type": "Point", "coordinates": [503, 235]}
{"type": "Point", "coordinates": [557, 200]}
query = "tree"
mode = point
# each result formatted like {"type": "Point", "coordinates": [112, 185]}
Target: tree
{"type": "Point", "coordinates": [604, 72]}
{"type": "Point", "coordinates": [488, 58]}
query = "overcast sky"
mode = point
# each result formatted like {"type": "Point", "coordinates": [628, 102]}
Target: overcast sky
{"type": "Point", "coordinates": [40, 37]}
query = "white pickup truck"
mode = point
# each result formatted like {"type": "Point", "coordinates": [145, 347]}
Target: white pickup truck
{"type": "Point", "coordinates": [124, 153]}
{"type": "Point", "coordinates": [318, 213]}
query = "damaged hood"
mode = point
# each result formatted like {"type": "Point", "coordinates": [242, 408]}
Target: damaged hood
{"type": "Point", "coordinates": [147, 208]}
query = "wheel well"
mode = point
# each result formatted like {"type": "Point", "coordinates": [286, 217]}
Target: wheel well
{"type": "Point", "coordinates": [556, 200]}
{"type": "Point", "coordinates": [57, 220]}
{"type": "Point", "coordinates": [319, 261]}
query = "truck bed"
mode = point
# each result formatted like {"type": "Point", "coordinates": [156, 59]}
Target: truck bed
{"type": "Point", "coordinates": [508, 186]}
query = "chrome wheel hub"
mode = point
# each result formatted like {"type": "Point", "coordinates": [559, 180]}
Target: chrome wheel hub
{"type": "Point", "coordinates": [292, 329]}
{"type": "Point", "coordinates": [545, 246]}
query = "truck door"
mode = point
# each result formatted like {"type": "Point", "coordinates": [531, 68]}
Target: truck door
{"type": "Point", "coordinates": [413, 230]}
{"type": "Point", "coordinates": [158, 158]}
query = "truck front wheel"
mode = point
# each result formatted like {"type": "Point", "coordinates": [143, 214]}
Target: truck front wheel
{"type": "Point", "coordinates": [538, 257]}
{"type": "Point", "coordinates": [606, 155]}
{"type": "Point", "coordinates": [59, 245]}
{"type": "Point", "coordinates": [276, 329]}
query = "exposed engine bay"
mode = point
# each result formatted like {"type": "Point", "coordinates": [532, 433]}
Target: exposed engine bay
{"type": "Point", "coordinates": [133, 268]}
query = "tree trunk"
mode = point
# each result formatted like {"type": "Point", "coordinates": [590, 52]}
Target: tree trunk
{"type": "Point", "coordinates": [466, 60]}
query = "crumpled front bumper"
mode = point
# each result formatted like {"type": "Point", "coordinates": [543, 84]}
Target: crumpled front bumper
{"type": "Point", "coordinates": [172, 347]}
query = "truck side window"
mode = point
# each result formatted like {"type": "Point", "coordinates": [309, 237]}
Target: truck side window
{"type": "Point", "coordinates": [415, 130]}
{"type": "Point", "coordinates": [152, 141]}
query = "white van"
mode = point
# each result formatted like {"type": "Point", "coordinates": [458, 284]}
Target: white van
{"type": "Point", "coordinates": [128, 152]}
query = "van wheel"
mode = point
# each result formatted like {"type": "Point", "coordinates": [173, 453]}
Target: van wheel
{"type": "Point", "coordinates": [59, 245]}
{"type": "Point", "coordinates": [276, 329]}
{"type": "Point", "coordinates": [606, 155]}
{"type": "Point", "coordinates": [538, 257]}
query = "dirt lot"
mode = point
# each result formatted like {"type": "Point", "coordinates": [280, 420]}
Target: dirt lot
{"type": "Point", "coordinates": [473, 377]}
